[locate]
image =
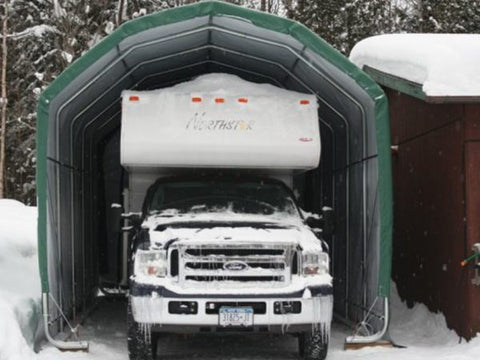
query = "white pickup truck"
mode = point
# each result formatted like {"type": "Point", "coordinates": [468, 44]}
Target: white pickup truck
{"type": "Point", "coordinates": [219, 243]}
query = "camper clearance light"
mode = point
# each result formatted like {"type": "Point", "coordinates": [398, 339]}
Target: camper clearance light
{"type": "Point", "coordinates": [196, 99]}
{"type": "Point", "coordinates": [134, 98]}
{"type": "Point", "coordinates": [243, 100]}
{"type": "Point", "coordinates": [304, 102]}
{"type": "Point", "coordinates": [219, 100]}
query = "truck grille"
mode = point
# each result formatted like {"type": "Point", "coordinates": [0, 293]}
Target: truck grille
{"type": "Point", "coordinates": [234, 263]}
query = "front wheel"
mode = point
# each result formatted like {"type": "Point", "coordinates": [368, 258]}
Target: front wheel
{"type": "Point", "coordinates": [142, 342]}
{"type": "Point", "coordinates": [313, 345]}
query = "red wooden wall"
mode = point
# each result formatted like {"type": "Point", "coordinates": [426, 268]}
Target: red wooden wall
{"type": "Point", "coordinates": [436, 206]}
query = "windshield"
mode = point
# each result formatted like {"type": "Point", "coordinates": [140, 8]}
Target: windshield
{"type": "Point", "coordinates": [242, 197]}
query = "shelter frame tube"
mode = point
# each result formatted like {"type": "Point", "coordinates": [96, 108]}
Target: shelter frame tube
{"type": "Point", "coordinates": [358, 339]}
{"type": "Point", "coordinates": [62, 345]}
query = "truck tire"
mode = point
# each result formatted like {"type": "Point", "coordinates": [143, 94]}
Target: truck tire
{"type": "Point", "coordinates": [140, 346]}
{"type": "Point", "coordinates": [313, 345]}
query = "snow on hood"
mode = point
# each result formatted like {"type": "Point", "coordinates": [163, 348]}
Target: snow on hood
{"type": "Point", "coordinates": [443, 64]}
{"type": "Point", "coordinates": [278, 228]}
{"type": "Point", "coordinates": [223, 215]}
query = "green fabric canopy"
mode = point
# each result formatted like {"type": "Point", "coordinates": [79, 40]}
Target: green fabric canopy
{"type": "Point", "coordinates": [79, 117]}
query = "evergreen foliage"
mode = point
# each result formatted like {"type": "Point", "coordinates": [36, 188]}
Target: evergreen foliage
{"type": "Point", "coordinates": [45, 36]}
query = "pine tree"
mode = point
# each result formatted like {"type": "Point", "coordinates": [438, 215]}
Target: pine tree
{"type": "Point", "coordinates": [447, 16]}
{"type": "Point", "coordinates": [342, 23]}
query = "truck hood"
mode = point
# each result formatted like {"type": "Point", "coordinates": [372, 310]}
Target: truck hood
{"type": "Point", "coordinates": [230, 228]}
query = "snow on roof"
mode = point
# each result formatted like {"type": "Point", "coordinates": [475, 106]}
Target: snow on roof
{"type": "Point", "coordinates": [443, 64]}
{"type": "Point", "coordinates": [221, 83]}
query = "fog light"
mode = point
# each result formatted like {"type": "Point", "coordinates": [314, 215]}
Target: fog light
{"type": "Point", "coordinates": [287, 307]}
{"type": "Point", "coordinates": [183, 307]}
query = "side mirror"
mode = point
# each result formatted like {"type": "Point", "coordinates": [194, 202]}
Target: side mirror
{"type": "Point", "coordinates": [328, 216]}
{"type": "Point", "coordinates": [135, 220]}
{"type": "Point", "coordinates": [314, 221]}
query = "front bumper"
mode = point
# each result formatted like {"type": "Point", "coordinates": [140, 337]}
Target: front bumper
{"type": "Point", "coordinates": [150, 305]}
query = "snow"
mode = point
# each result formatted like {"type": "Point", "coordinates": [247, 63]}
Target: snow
{"type": "Point", "coordinates": [443, 64]}
{"type": "Point", "coordinates": [19, 283]}
{"type": "Point", "coordinates": [221, 83]}
{"type": "Point", "coordinates": [67, 56]}
{"type": "Point", "coordinates": [424, 333]}
{"type": "Point", "coordinates": [58, 10]}
{"type": "Point", "coordinates": [37, 31]}
{"type": "Point", "coordinates": [168, 216]}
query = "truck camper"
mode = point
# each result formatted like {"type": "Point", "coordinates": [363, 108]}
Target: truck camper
{"type": "Point", "coordinates": [218, 240]}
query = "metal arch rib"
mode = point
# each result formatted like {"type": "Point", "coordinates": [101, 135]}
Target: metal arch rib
{"type": "Point", "coordinates": [358, 339]}
{"type": "Point", "coordinates": [62, 345]}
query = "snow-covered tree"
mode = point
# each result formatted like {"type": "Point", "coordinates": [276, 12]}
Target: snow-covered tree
{"type": "Point", "coordinates": [446, 16]}
{"type": "Point", "coordinates": [45, 36]}
{"type": "Point", "coordinates": [342, 23]}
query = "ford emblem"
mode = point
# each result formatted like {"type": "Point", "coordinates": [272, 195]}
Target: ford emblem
{"type": "Point", "coordinates": [235, 266]}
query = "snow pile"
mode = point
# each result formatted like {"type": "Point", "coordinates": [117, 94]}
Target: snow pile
{"type": "Point", "coordinates": [444, 64]}
{"type": "Point", "coordinates": [221, 83]}
{"type": "Point", "coordinates": [20, 283]}
{"type": "Point", "coordinates": [424, 334]}
{"type": "Point", "coordinates": [418, 325]}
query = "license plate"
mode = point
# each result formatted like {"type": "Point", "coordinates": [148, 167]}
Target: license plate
{"type": "Point", "coordinates": [235, 316]}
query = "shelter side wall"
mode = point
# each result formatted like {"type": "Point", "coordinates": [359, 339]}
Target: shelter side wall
{"type": "Point", "coordinates": [472, 176]}
{"type": "Point", "coordinates": [429, 206]}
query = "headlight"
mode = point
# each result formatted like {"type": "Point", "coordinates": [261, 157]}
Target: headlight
{"type": "Point", "coordinates": [315, 263]}
{"type": "Point", "coordinates": [151, 263]}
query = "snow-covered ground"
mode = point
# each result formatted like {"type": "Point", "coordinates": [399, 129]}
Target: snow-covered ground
{"type": "Point", "coordinates": [19, 280]}
{"type": "Point", "coordinates": [425, 334]}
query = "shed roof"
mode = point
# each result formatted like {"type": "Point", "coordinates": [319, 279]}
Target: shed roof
{"type": "Point", "coordinates": [433, 67]}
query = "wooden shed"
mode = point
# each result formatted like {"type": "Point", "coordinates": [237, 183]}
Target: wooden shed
{"type": "Point", "coordinates": [435, 134]}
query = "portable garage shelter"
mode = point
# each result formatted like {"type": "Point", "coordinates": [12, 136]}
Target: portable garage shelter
{"type": "Point", "coordinates": [79, 174]}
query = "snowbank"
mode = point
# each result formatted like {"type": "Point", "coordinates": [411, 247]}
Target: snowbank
{"type": "Point", "coordinates": [424, 334]}
{"type": "Point", "coordinates": [20, 283]}
{"type": "Point", "coordinates": [443, 64]}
